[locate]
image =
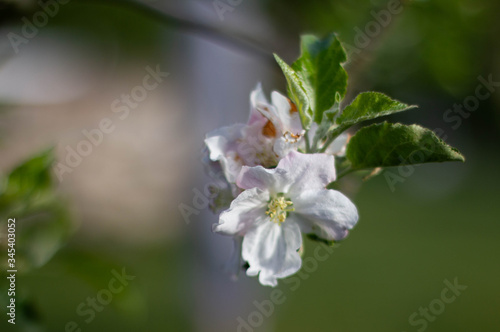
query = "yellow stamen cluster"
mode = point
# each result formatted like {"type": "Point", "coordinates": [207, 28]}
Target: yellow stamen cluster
{"type": "Point", "coordinates": [277, 209]}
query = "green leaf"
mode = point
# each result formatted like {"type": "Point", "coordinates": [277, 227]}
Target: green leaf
{"type": "Point", "coordinates": [327, 125]}
{"type": "Point", "coordinates": [296, 92]}
{"type": "Point", "coordinates": [320, 71]}
{"type": "Point", "coordinates": [387, 144]}
{"type": "Point", "coordinates": [369, 105]}
{"type": "Point", "coordinates": [43, 223]}
{"type": "Point", "coordinates": [31, 178]}
{"type": "Point", "coordinates": [41, 233]}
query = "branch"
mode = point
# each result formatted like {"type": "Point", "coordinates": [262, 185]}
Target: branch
{"type": "Point", "coordinates": [216, 35]}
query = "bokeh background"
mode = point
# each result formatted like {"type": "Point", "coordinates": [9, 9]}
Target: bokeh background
{"type": "Point", "coordinates": [119, 208]}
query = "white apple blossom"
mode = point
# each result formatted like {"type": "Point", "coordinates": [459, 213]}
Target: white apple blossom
{"type": "Point", "coordinates": [271, 132]}
{"type": "Point", "coordinates": [277, 205]}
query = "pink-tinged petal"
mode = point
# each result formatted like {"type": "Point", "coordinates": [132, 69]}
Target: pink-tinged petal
{"type": "Point", "coordinates": [257, 101]}
{"type": "Point", "coordinates": [273, 127]}
{"type": "Point", "coordinates": [307, 171]}
{"type": "Point", "coordinates": [256, 142]}
{"type": "Point", "coordinates": [220, 141]}
{"type": "Point", "coordinates": [271, 251]}
{"type": "Point", "coordinates": [273, 180]}
{"type": "Point", "coordinates": [246, 211]}
{"type": "Point", "coordinates": [223, 146]}
{"type": "Point", "coordinates": [287, 114]}
{"type": "Point", "coordinates": [333, 231]}
{"type": "Point", "coordinates": [283, 146]}
{"type": "Point", "coordinates": [327, 213]}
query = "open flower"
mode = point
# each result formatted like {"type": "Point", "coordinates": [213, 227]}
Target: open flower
{"type": "Point", "coordinates": [277, 205]}
{"type": "Point", "coordinates": [271, 132]}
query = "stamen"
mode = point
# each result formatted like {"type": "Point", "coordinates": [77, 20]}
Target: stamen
{"type": "Point", "coordinates": [278, 208]}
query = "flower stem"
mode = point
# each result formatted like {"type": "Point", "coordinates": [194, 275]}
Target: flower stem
{"type": "Point", "coordinates": [243, 43]}
{"type": "Point", "coordinates": [345, 172]}
{"type": "Point", "coordinates": [306, 139]}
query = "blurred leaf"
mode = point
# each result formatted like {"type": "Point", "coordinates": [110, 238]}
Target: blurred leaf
{"type": "Point", "coordinates": [27, 181]}
{"type": "Point", "coordinates": [368, 106]}
{"type": "Point", "coordinates": [387, 144]}
{"type": "Point", "coordinates": [42, 221]}
{"type": "Point", "coordinates": [321, 74]}
{"type": "Point", "coordinates": [41, 234]}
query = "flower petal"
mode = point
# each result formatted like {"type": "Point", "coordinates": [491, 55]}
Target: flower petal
{"type": "Point", "coordinates": [223, 145]}
{"type": "Point", "coordinates": [246, 211]}
{"type": "Point", "coordinates": [258, 102]}
{"type": "Point", "coordinates": [271, 251]}
{"type": "Point", "coordinates": [220, 140]}
{"type": "Point", "coordinates": [307, 171]}
{"type": "Point", "coordinates": [273, 180]}
{"type": "Point", "coordinates": [338, 145]}
{"type": "Point", "coordinates": [327, 213]}
{"type": "Point", "coordinates": [287, 115]}
{"type": "Point", "coordinates": [283, 146]}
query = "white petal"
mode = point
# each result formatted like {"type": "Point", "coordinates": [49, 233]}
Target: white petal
{"type": "Point", "coordinates": [338, 145]}
{"type": "Point", "coordinates": [246, 211]}
{"type": "Point", "coordinates": [288, 117]}
{"type": "Point", "coordinates": [260, 105]}
{"type": "Point", "coordinates": [282, 146]}
{"type": "Point", "coordinates": [223, 146]}
{"type": "Point", "coordinates": [271, 251]}
{"type": "Point", "coordinates": [326, 213]}
{"type": "Point", "coordinates": [220, 140]}
{"type": "Point", "coordinates": [256, 145]}
{"type": "Point", "coordinates": [307, 171]}
{"type": "Point", "coordinates": [257, 98]}
{"type": "Point", "coordinates": [273, 180]}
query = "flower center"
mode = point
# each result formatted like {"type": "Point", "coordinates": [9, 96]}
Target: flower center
{"type": "Point", "coordinates": [278, 208]}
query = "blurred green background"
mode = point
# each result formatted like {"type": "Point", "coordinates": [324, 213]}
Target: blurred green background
{"type": "Point", "coordinates": [119, 209]}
